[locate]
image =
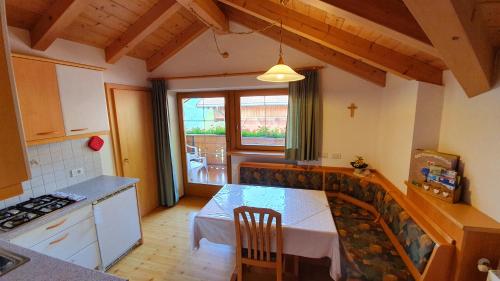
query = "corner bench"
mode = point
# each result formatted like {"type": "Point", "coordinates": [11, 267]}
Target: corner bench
{"type": "Point", "coordinates": [384, 236]}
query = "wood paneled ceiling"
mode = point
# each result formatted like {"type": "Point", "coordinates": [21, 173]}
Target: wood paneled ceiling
{"type": "Point", "coordinates": [379, 34]}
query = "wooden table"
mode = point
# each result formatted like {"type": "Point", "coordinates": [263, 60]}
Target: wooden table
{"type": "Point", "coordinates": [308, 226]}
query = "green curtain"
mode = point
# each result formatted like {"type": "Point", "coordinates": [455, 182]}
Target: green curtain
{"type": "Point", "coordinates": [167, 193]}
{"type": "Point", "coordinates": [304, 119]}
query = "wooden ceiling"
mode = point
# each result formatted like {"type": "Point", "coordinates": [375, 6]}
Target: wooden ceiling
{"type": "Point", "coordinates": [364, 37]}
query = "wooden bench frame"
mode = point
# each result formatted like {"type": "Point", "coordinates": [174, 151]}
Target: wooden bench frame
{"type": "Point", "coordinates": [440, 262]}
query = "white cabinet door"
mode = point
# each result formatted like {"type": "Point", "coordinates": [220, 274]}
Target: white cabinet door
{"type": "Point", "coordinates": [48, 230]}
{"type": "Point", "coordinates": [118, 225]}
{"type": "Point", "coordinates": [83, 100]}
{"type": "Point", "coordinates": [87, 257]}
{"type": "Point", "coordinates": [68, 242]}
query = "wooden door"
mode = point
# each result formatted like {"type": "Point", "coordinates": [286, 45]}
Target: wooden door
{"type": "Point", "coordinates": [135, 143]}
{"type": "Point", "coordinates": [38, 93]}
{"type": "Point", "coordinates": [13, 164]}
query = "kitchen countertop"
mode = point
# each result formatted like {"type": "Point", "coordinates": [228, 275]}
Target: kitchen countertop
{"type": "Point", "coordinates": [42, 267]}
{"type": "Point", "coordinates": [94, 189]}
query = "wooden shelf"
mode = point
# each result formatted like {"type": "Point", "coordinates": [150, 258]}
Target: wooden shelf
{"type": "Point", "coordinates": [463, 215]}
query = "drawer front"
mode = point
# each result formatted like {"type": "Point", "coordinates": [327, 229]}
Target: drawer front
{"type": "Point", "coordinates": [70, 241]}
{"type": "Point", "coordinates": [39, 234]}
{"type": "Point", "coordinates": [88, 257]}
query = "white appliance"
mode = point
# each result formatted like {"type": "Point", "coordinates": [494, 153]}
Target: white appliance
{"type": "Point", "coordinates": [117, 224]}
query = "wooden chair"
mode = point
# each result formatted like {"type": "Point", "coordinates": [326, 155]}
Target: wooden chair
{"type": "Point", "coordinates": [260, 233]}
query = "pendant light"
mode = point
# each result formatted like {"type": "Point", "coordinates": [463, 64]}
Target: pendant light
{"type": "Point", "coordinates": [281, 72]}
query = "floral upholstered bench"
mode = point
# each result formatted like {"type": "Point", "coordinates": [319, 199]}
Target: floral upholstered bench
{"type": "Point", "coordinates": [384, 237]}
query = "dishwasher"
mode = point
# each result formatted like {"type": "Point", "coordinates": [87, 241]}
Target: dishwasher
{"type": "Point", "coordinates": [117, 224]}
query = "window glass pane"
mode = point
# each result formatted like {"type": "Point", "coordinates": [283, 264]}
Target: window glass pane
{"type": "Point", "coordinates": [205, 136]}
{"type": "Point", "coordinates": [263, 120]}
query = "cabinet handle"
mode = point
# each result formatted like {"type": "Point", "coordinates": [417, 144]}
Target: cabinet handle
{"type": "Point", "coordinates": [125, 160]}
{"type": "Point", "coordinates": [56, 225]}
{"type": "Point", "coordinates": [79, 130]}
{"type": "Point", "coordinates": [47, 133]}
{"type": "Point", "coordinates": [59, 240]}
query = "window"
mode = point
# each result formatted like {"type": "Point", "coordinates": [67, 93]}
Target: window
{"type": "Point", "coordinates": [261, 119]}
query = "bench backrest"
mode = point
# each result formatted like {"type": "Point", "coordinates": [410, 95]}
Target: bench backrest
{"type": "Point", "coordinates": [416, 245]}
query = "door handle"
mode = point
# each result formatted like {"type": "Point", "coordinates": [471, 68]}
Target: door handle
{"type": "Point", "coordinates": [59, 240]}
{"type": "Point", "coordinates": [78, 130]}
{"type": "Point", "coordinates": [125, 160]}
{"type": "Point", "coordinates": [46, 133]}
{"type": "Point", "coordinates": [56, 225]}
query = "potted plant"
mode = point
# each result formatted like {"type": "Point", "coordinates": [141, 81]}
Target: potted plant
{"type": "Point", "coordinates": [360, 166]}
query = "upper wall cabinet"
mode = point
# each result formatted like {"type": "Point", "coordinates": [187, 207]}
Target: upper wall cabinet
{"type": "Point", "coordinates": [83, 100]}
{"type": "Point", "coordinates": [13, 163]}
{"type": "Point", "coordinates": [38, 94]}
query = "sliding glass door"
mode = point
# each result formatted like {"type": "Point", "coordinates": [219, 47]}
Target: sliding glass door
{"type": "Point", "coordinates": [204, 141]}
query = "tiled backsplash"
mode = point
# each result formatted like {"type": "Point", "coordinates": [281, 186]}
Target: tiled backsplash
{"type": "Point", "coordinates": [51, 166]}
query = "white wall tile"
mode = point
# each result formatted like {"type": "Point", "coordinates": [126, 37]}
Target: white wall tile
{"type": "Point", "coordinates": [51, 164]}
{"type": "Point", "coordinates": [26, 185]}
{"type": "Point", "coordinates": [43, 149]}
{"type": "Point", "coordinates": [39, 191]}
{"type": "Point", "coordinates": [12, 201]}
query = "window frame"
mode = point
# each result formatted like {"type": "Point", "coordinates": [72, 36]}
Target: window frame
{"type": "Point", "coordinates": [236, 126]}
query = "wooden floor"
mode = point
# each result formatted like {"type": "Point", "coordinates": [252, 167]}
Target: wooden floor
{"type": "Point", "coordinates": [215, 174]}
{"type": "Point", "coordinates": [166, 253]}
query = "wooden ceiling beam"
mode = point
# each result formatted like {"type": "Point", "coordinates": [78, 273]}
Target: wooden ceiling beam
{"type": "Point", "coordinates": [52, 24]}
{"type": "Point", "coordinates": [456, 30]}
{"type": "Point", "coordinates": [388, 17]}
{"type": "Point", "coordinates": [340, 40]}
{"type": "Point", "coordinates": [139, 30]}
{"type": "Point", "coordinates": [208, 12]}
{"type": "Point", "coordinates": [318, 51]}
{"type": "Point", "coordinates": [176, 44]}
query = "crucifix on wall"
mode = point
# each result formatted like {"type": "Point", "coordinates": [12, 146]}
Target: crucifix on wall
{"type": "Point", "coordinates": [353, 108]}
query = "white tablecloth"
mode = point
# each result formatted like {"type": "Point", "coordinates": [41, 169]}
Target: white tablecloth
{"type": "Point", "coordinates": [308, 227]}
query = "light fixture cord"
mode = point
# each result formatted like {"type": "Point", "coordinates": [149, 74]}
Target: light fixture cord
{"type": "Point", "coordinates": [281, 40]}
{"type": "Point", "coordinates": [225, 54]}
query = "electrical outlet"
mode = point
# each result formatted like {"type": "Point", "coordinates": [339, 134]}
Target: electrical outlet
{"type": "Point", "coordinates": [77, 172]}
{"type": "Point", "coordinates": [336, 155]}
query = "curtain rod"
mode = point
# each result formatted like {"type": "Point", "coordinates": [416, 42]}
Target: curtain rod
{"type": "Point", "coordinates": [230, 74]}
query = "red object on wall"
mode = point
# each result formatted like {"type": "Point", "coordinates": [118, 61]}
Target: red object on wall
{"type": "Point", "coordinates": [95, 143]}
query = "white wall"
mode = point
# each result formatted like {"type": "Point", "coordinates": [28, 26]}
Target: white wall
{"type": "Point", "coordinates": [395, 129]}
{"type": "Point", "coordinates": [128, 70]}
{"type": "Point", "coordinates": [428, 114]}
{"type": "Point", "coordinates": [470, 127]}
{"type": "Point", "coordinates": [341, 133]}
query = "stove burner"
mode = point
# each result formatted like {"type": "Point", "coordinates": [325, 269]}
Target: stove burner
{"type": "Point", "coordinates": [24, 212]}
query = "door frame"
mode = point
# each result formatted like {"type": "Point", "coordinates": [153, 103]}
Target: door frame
{"type": "Point", "coordinates": [197, 189]}
{"type": "Point", "coordinates": [113, 123]}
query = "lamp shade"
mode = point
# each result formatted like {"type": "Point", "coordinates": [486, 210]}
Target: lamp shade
{"type": "Point", "coordinates": [280, 73]}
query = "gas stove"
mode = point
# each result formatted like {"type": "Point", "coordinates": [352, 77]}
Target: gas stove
{"type": "Point", "coordinates": [27, 211]}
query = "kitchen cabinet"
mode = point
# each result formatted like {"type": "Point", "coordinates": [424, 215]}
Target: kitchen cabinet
{"type": "Point", "coordinates": [38, 94]}
{"type": "Point", "coordinates": [83, 100]}
{"type": "Point", "coordinates": [88, 257]}
{"type": "Point", "coordinates": [71, 238]}
{"type": "Point", "coordinates": [118, 225]}
{"type": "Point", "coordinates": [13, 161]}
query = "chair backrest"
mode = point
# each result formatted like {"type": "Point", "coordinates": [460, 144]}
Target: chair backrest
{"type": "Point", "coordinates": [261, 227]}
{"type": "Point", "coordinates": [192, 149]}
